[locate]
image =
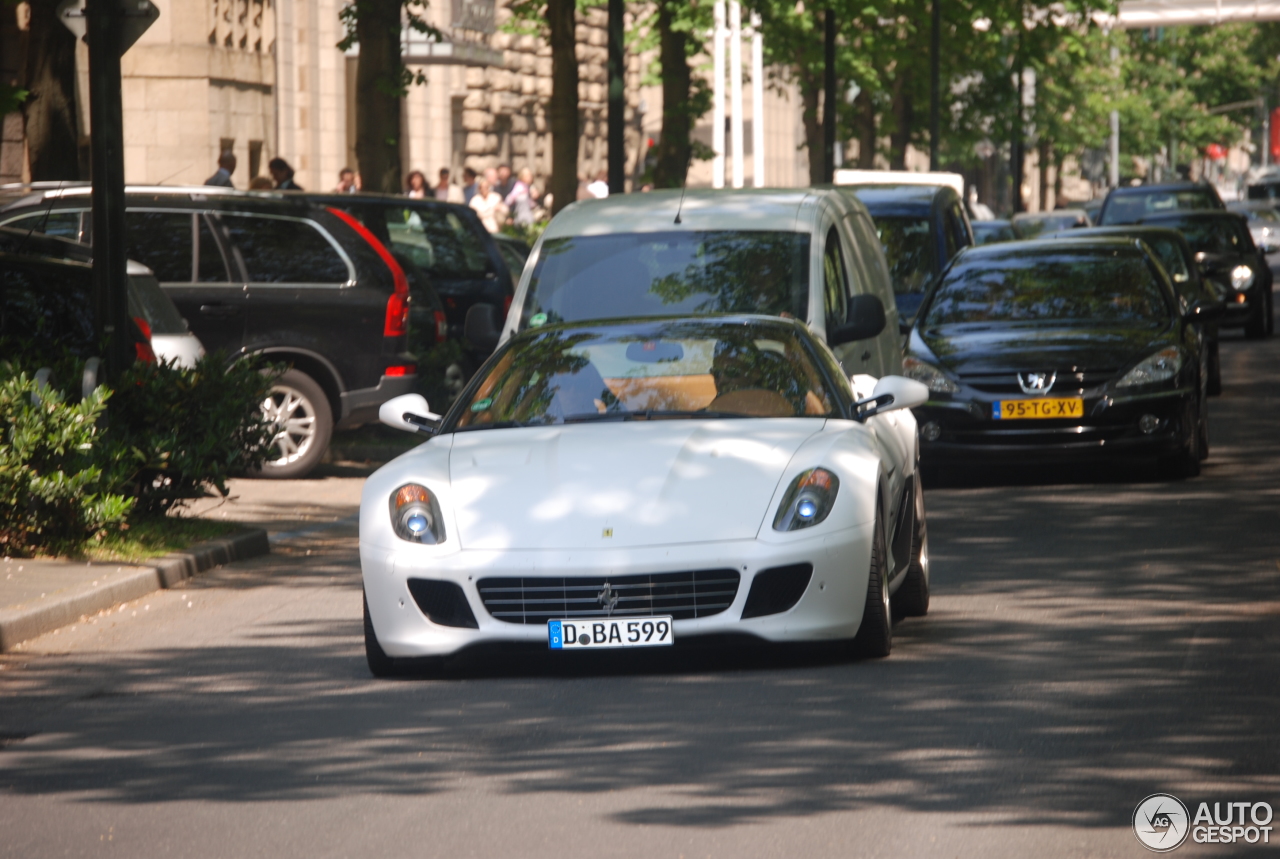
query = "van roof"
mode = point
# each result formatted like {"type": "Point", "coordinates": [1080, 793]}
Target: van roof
{"type": "Point", "coordinates": [703, 209]}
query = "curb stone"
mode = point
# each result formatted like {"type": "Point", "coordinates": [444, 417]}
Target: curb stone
{"type": "Point", "coordinates": [25, 622]}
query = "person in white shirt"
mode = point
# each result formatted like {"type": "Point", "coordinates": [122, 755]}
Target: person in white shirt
{"type": "Point", "coordinates": [489, 206]}
{"type": "Point", "coordinates": [600, 188]}
{"type": "Point", "coordinates": [520, 200]}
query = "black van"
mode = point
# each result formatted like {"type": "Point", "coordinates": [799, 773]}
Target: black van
{"type": "Point", "coordinates": [274, 276]}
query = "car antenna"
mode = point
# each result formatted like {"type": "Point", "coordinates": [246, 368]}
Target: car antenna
{"type": "Point", "coordinates": [684, 185]}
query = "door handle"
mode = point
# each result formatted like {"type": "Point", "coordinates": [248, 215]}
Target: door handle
{"type": "Point", "coordinates": [219, 310]}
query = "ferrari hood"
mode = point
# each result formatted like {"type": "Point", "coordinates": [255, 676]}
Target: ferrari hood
{"type": "Point", "coordinates": [600, 486]}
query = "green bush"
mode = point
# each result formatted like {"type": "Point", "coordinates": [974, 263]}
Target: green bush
{"type": "Point", "coordinates": [54, 491]}
{"type": "Point", "coordinates": [178, 432]}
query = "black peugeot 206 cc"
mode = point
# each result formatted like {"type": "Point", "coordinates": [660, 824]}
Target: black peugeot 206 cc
{"type": "Point", "coordinates": [1040, 350]}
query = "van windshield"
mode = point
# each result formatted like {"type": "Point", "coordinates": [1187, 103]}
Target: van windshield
{"type": "Point", "coordinates": [579, 278]}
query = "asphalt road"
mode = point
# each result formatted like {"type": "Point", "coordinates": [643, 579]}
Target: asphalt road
{"type": "Point", "coordinates": [1097, 635]}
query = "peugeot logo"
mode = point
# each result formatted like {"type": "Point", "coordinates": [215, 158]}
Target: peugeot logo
{"type": "Point", "coordinates": [1037, 383]}
{"type": "Point", "coordinates": [608, 598]}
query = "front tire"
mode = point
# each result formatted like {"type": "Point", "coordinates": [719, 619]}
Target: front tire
{"type": "Point", "coordinates": [380, 665]}
{"type": "Point", "coordinates": [912, 598]}
{"type": "Point", "coordinates": [299, 412]}
{"type": "Point", "coordinates": [875, 634]}
{"type": "Point", "coordinates": [1260, 325]}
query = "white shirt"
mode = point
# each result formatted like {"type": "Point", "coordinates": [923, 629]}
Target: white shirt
{"type": "Point", "coordinates": [491, 210]}
{"type": "Point", "coordinates": [598, 189]}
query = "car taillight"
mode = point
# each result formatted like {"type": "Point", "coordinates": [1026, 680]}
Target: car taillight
{"type": "Point", "coordinates": [506, 306]}
{"type": "Point", "coordinates": [401, 370]}
{"type": "Point", "coordinates": [142, 326]}
{"type": "Point", "coordinates": [397, 321]}
{"type": "Point", "coordinates": [142, 348]}
{"type": "Point", "coordinates": [442, 326]}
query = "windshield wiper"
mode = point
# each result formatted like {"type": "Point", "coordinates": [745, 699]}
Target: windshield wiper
{"type": "Point", "coordinates": [495, 425]}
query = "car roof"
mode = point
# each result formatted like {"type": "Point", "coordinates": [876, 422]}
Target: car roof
{"type": "Point", "coordinates": [1052, 213]}
{"type": "Point", "coordinates": [1114, 231]}
{"type": "Point", "coordinates": [329, 197]}
{"type": "Point", "coordinates": [1192, 215]}
{"type": "Point", "coordinates": [979, 252]}
{"type": "Point", "coordinates": [922, 195]}
{"type": "Point", "coordinates": [1162, 188]}
{"type": "Point", "coordinates": [701, 209]}
{"type": "Point", "coordinates": [170, 195]}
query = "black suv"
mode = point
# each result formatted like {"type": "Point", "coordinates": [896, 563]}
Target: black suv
{"type": "Point", "coordinates": [270, 276]}
{"type": "Point", "coordinates": [1133, 204]}
{"type": "Point", "coordinates": [442, 244]}
{"type": "Point", "coordinates": [921, 228]}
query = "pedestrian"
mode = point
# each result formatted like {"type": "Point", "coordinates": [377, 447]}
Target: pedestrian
{"type": "Point", "coordinates": [346, 181]}
{"type": "Point", "coordinates": [446, 190]}
{"type": "Point", "coordinates": [226, 166]}
{"type": "Point", "coordinates": [468, 184]}
{"type": "Point", "coordinates": [504, 184]}
{"type": "Point", "coordinates": [600, 188]}
{"type": "Point", "coordinates": [260, 183]}
{"type": "Point", "coordinates": [520, 200]}
{"type": "Point", "coordinates": [488, 205]}
{"type": "Point", "coordinates": [415, 185]}
{"type": "Point", "coordinates": [282, 173]}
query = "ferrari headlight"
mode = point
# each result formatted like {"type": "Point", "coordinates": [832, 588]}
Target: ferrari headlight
{"type": "Point", "coordinates": [1160, 367]}
{"type": "Point", "coordinates": [808, 500]}
{"type": "Point", "coordinates": [415, 515]}
{"type": "Point", "coordinates": [1241, 278]}
{"type": "Point", "coordinates": [928, 375]}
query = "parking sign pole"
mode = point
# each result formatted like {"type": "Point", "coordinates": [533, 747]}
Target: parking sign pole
{"type": "Point", "coordinates": [104, 20]}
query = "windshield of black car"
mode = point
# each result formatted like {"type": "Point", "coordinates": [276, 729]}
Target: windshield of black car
{"type": "Point", "coordinates": [1213, 235]}
{"type": "Point", "coordinates": [1130, 208]}
{"type": "Point", "coordinates": [1086, 286]}
{"type": "Point", "coordinates": [650, 371]}
{"type": "Point", "coordinates": [910, 248]}
{"type": "Point", "coordinates": [678, 273]}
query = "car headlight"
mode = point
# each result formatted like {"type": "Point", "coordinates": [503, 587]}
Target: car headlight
{"type": "Point", "coordinates": [415, 515]}
{"type": "Point", "coordinates": [928, 375]}
{"type": "Point", "coordinates": [1241, 278]}
{"type": "Point", "coordinates": [1159, 367]}
{"type": "Point", "coordinates": [808, 500]}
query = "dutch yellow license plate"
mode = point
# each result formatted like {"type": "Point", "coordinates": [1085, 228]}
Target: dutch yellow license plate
{"type": "Point", "coordinates": [1041, 407]}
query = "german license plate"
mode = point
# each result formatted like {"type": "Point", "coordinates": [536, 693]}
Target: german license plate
{"type": "Point", "coordinates": [610, 632]}
{"type": "Point", "coordinates": [1040, 407]}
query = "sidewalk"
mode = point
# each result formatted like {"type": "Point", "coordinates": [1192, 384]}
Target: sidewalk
{"type": "Point", "coordinates": [38, 596]}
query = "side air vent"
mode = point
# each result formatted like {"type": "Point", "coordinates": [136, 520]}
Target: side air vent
{"type": "Point", "coordinates": [443, 602]}
{"type": "Point", "coordinates": [775, 590]}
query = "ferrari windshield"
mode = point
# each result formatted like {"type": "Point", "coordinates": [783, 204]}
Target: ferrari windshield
{"type": "Point", "coordinates": [652, 370]}
{"type": "Point", "coordinates": [1076, 286]}
{"type": "Point", "coordinates": [678, 273]}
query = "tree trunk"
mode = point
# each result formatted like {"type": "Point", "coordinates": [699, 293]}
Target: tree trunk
{"type": "Point", "coordinates": [562, 110]}
{"type": "Point", "coordinates": [377, 95]}
{"type": "Point", "coordinates": [1057, 178]}
{"type": "Point", "coordinates": [814, 141]}
{"type": "Point", "coordinates": [865, 112]}
{"type": "Point", "coordinates": [49, 113]}
{"type": "Point", "coordinates": [903, 116]}
{"type": "Point", "coordinates": [674, 146]}
{"type": "Point", "coordinates": [1044, 157]}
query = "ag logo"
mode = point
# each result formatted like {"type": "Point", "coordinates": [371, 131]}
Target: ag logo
{"type": "Point", "coordinates": [1161, 823]}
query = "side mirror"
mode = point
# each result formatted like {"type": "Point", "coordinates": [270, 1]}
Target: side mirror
{"type": "Point", "coordinates": [890, 394]}
{"type": "Point", "coordinates": [482, 328]}
{"type": "Point", "coordinates": [408, 412]}
{"type": "Point", "coordinates": [1204, 310]}
{"type": "Point", "coordinates": [865, 319]}
{"type": "Point", "coordinates": [1268, 248]}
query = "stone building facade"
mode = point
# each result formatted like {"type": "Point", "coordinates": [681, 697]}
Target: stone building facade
{"type": "Point", "coordinates": [265, 78]}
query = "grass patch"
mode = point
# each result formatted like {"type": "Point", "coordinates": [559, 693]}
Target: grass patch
{"type": "Point", "coordinates": [154, 536]}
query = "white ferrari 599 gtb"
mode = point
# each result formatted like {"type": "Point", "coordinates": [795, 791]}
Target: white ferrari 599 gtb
{"type": "Point", "coordinates": [637, 483]}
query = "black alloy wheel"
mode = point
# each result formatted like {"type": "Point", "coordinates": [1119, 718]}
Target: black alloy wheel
{"type": "Point", "coordinates": [912, 597]}
{"type": "Point", "coordinates": [874, 639]}
{"type": "Point", "coordinates": [1186, 462]}
{"type": "Point", "coordinates": [1215, 370]}
{"type": "Point", "coordinates": [1260, 325]}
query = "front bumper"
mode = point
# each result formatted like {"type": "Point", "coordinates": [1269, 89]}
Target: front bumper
{"type": "Point", "coordinates": [830, 608]}
{"type": "Point", "coordinates": [1109, 428]}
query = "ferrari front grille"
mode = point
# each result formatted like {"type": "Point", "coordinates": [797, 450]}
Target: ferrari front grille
{"type": "Point", "coordinates": [685, 595]}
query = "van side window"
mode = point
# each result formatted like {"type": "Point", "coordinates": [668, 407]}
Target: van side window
{"type": "Point", "coordinates": [835, 280]}
{"type": "Point", "coordinates": [211, 266]}
{"type": "Point", "coordinates": [47, 303]}
{"type": "Point", "coordinates": [63, 223]}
